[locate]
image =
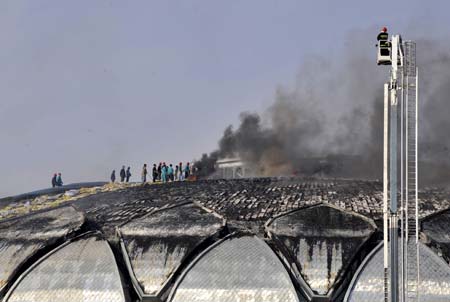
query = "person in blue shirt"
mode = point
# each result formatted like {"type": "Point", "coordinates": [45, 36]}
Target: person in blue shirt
{"type": "Point", "coordinates": [187, 171]}
{"type": "Point", "coordinates": [170, 172]}
{"type": "Point", "coordinates": [59, 181]}
{"type": "Point", "coordinates": [164, 173]}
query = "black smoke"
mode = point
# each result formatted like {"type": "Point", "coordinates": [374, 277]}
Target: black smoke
{"type": "Point", "coordinates": [331, 122]}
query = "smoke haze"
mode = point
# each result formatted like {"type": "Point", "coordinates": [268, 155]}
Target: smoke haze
{"type": "Point", "coordinates": [331, 122]}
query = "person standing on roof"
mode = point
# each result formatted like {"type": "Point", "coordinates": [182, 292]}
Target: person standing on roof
{"type": "Point", "coordinates": [113, 176]}
{"type": "Point", "coordinates": [164, 173]}
{"type": "Point", "coordinates": [187, 171]}
{"type": "Point", "coordinates": [170, 172]}
{"type": "Point", "coordinates": [59, 181]}
{"type": "Point", "coordinates": [144, 173]}
{"type": "Point", "coordinates": [54, 180]}
{"type": "Point", "coordinates": [154, 173]}
{"type": "Point", "coordinates": [128, 174]}
{"type": "Point", "coordinates": [177, 171]}
{"type": "Point", "coordinates": [181, 172]}
{"type": "Point", "coordinates": [123, 174]}
{"type": "Point", "coordinates": [159, 171]}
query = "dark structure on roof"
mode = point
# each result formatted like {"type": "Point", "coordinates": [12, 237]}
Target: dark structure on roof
{"type": "Point", "coordinates": [220, 240]}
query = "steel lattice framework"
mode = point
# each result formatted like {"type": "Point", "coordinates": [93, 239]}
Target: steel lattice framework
{"type": "Point", "coordinates": [410, 214]}
{"type": "Point", "coordinates": [401, 274]}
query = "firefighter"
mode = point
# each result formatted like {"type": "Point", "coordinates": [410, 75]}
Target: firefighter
{"type": "Point", "coordinates": [384, 48]}
{"type": "Point", "coordinates": [383, 35]}
{"type": "Point", "coordinates": [383, 41]}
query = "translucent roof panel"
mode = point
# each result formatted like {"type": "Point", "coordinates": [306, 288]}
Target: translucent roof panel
{"type": "Point", "coordinates": [22, 237]}
{"type": "Point", "coordinates": [84, 270]}
{"type": "Point", "coordinates": [157, 244]}
{"type": "Point", "coordinates": [236, 270]}
{"type": "Point", "coordinates": [322, 241]}
{"type": "Point", "coordinates": [367, 286]}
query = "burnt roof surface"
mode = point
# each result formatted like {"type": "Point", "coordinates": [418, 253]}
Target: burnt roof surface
{"type": "Point", "coordinates": [51, 191]}
{"type": "Point", "coordinates": [245, 204]}
{"type": "Point", "coordinates": [21, 238]}
{"type": "Point", "coordinates": [322, 241]}
{"type": "Point", "coordinates": [157, 244]}
{"type": "Point", "coordinates": [249, 201]}
{"type": "Point", "coordinates": [437, 230]}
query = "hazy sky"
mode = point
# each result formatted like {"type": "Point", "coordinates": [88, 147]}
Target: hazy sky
{"type": "Point", "coordinates": [86, 86]}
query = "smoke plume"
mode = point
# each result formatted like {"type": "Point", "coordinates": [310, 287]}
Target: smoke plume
{"type": "Point", "coordinates": [331, 122]}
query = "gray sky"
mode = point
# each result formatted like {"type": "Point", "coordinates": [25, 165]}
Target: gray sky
{"type": "Point", "coordinates": [87, 86]}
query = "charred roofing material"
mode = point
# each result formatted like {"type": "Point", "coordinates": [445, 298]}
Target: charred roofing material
{"type": "Point", "coordinates": [156, 245]}
{"type": "Point", "coordinates": [23, 237]}
{"type": "Point", "coordinates": [322, 241]}
{"type": "Point", "coordinates": [245, 204]}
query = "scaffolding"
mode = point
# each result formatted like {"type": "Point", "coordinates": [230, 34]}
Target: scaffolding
{"type": "Point", "coordinates": [410, 232]}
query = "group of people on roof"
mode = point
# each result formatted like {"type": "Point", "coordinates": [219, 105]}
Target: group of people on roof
{"type": "Point", "coordinates": [124, 175]}
{"type": "Point", "coordinates": [166, 173]}
{"type": "Point", "coordinates": [160, 173]}
{"type": "Point", "coordinates": [57, 180]}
